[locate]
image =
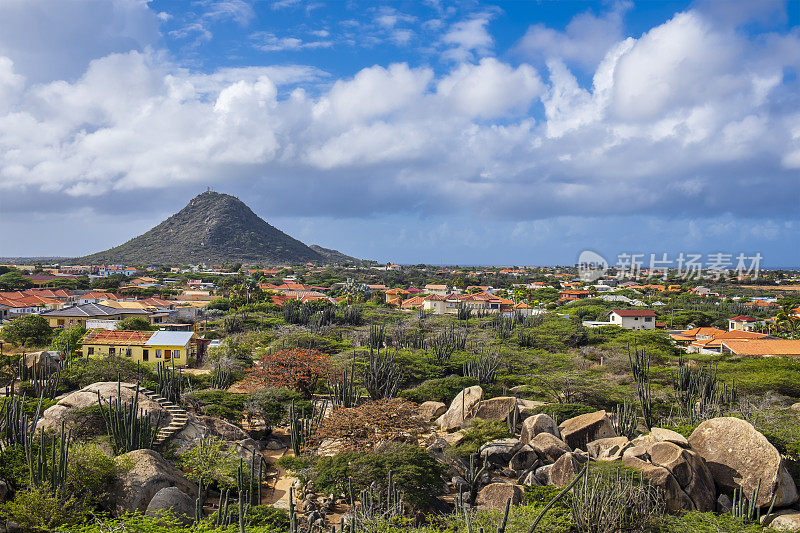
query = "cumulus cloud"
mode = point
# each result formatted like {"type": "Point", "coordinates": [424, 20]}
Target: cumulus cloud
{"type": "Point", "coordinates": [585, 40]}
{"type": "Point", "coordinates": [684, 118]}
{"type": "Point", "coordinates": [468, 37]}
{"type": "Point", "coordinates": [269, 42]}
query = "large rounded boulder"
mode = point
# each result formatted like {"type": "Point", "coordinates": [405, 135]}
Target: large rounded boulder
{"type": "Point", "coordinates": [145, 473]}
{"type": "Point", "coordinates": [174, 501]}
{"type": "Point", "coordinates": [739, 456]}
{"type": "Point", "coordinates": [461, 408]}
{"type": "Point", "coordinates": [579, 431]}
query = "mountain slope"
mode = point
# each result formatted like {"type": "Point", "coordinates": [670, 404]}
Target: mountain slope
{"type": "Point", "coordinates": [213, 228]}
{"type": "Point", "coordinates": [333, 256]}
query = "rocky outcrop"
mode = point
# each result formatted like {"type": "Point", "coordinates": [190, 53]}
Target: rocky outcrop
{"type": "Point", "coordinates": [609, 449]}
{"type": "Point", "coordinates": [784, 520]}
{"type": "Point", "coordinates": [579, 431]}
{"type": "Point", "coordinates": [563, 470]}
{"type": "Point", "coordinates": [461, 408]}
{"type": "Point", "coordinates": [660, 477]}
{"type": "Point", "coordinates": [524, 459]}
{"type": "Point", "coordinates": [499, 408]}
{"type": "Point", "coordinates": [738, 456]}
{"type": "Point", "coordinates": [500, 452]}
{"type": "Point", "coordinates": [689, 470]}
{"type": "Point", "coordinates": [431, 410]}
{"type": "Point", "coordinates": [548, 447]}
{"type": "Point", "coordinates": [535, 424]}
{"type": "Point", "coordinates": [495, 495]}
{"type": "Point", "coordinates": [87, 397]}
{"type": "Point", "coordinates": [147, 474]}
{"type": "Point", "coordinates": [171, 499]}
{"type": "Point", "coordinates": [661, 435]}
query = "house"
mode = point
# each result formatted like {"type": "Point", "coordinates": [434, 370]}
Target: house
{"type": "Point", "coordinates": [434, 303]}
{"type": "Point", "coordinates": [79, 315]}
{"type": "Point", "coordinates": [415, 302]}
{"type": "Point", "coordinates": [569, 295]}
{"type": "Point", "coordinates": [743, 323]}
{"type": "Point", "coordinates": [18, 303]}
{"type": "Point", "coordinates": [439, 290]}
{"type": "Point", "coordinates": [633, 318]}
{"type": "Point", "coordinates": [763, 347]}
{"type": "Point", "coordinates": [95, 297]}
{"type": "Point", "coordinates": [141, 346]}
{"type": "Point", "coordinates": [143, 281]}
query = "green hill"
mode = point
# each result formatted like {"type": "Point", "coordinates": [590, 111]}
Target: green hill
{"type": "Point", "coordinates": [213, 228]}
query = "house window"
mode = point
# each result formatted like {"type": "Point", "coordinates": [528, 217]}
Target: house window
{"type": "Point", "coordinates": [112, 350]}
{"type": "Point", "coordinates": [158, 354]}
{"type": "Point", "coordinates": [176, 354]}
{"type": "Point", "coordinates": [128, 352]}
{"type": "Point", "coordinates": [145, 355]}
{"type": "Point", "coordinates": [90, 350]}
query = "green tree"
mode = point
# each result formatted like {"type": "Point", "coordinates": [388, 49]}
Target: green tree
{"type": "Point", "coordinates": [68, 340]}
{"type": "Point", "coordinates": [134, 323]}
{"type": "Point", "coordinates": [210, 462]}
{"type": "Point", "coordinates": [28, 330]}
{"type": "Point", "coordinates": [14, 280]}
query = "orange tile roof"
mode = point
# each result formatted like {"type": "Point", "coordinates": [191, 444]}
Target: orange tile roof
{"type": "Point", "coordinates": [763, 346]}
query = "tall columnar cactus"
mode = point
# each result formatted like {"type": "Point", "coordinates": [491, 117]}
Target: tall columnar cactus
{"type": "Point", "coordinates": [48, 463]}
{"type": "Point", "coordinates": [381, 375]}
{"type": "Point", "coordinates": [640, 368]}
{"type": "Point", "coordinates": [345, 391]}
{"type": "Point", "coordinates": [15, 425]}
{"type": "Point", "coordinates": [624, 419]}
{"type": "Point", "coordinates": [301, 429]}
{"type": "Point", "coordinates": [374, 505]}
{"type": "Point", "coordinates": [130, 427]}
{"type": "Point", "coordinates": [220, 378]}
{"type": "Point", "coordinates": [377, 336]}
{"type": "Point", "coordinates": [482, 367]}
{"type": "Point", "coordinates": [170, 382]}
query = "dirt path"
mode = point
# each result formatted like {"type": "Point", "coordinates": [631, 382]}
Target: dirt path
{"type": "Point", "coordinates": [277, 495]}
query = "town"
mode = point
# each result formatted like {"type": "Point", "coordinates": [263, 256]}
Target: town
{"type": "Point", "coordinates": [499, 383]}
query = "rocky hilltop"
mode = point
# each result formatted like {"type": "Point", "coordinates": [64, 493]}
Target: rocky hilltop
{"type": "Point", "coordinates": [214, 228]}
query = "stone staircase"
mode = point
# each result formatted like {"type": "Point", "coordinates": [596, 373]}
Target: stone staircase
{"type": "Point", "coordinates": [178, 417]}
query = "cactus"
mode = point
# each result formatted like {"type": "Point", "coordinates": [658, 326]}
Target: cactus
{"type": "Point", "coordinates": [624, 420]}
{"type": "Point", "coordinates": [447, 342]}
{"type": "Point", "coordinates": [381, 375]}
{"type": "Point", "coordinates": [129, 427]}
{"type": "Point", "coordinates": [483, 367]}
{"type": "Point", "coordinates": [640, 367]}
{"type": "Point", "coordinates": [472, 475]}
{"type": "Point", "coordinates": [48, 464]}
{"type": "Point", "coordinates": [345, 391]}
{"type": "Point", "coordinates": [170, 382]}
{"type": "Point", "coordinates": [220, 378]}
{"type": "Point", "coordinates": [15, 425]}
{"type": "Point", "coordinates": [377, 336]}
{"type": "Point", "coordinates": [301, 429]}
{"type": "Point", "coordinates": [375, 505]}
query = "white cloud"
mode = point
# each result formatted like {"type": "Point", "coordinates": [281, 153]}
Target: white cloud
{"type": "Point", "coordinates": [585, 40]}
{"type": "Point", "coordinates": [490, 88]}
{"type": "Point", "coordinates": [269, 42]}
{"type": "Point", "coordinates": [468, 38]}
{"type": "Point", "coordinates": [722, 137]}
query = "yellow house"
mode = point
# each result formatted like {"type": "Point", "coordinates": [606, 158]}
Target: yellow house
{"type": "Point", "coordinates": [142, 346]}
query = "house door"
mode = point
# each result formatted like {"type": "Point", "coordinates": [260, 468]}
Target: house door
{"type": "Point", "coordinates": [167, 355]}
{"type": "Point", "coordinates": [145, 355]}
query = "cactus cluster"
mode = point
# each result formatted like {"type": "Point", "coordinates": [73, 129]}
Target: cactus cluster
{"type": "Point", "coordinates": [170, 382]}
{"type": "Point", "coordinates": [129, 426]}
{"type": "Point", "coordinates": [640, 368]}
{"type": "Point", "coordinates": [301, 429]}
{"type": "Point", "coordinates": [344, 389]}
{"type": "Point", "coordinates": [482, 367]}
{"type": "Point", "coordinates": [47, 464]}
{"type": "Point", "coordinates": [381, 375]}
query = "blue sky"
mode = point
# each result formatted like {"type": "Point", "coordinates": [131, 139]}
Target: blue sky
{"type": "Point", "coordinates": [474, 132]}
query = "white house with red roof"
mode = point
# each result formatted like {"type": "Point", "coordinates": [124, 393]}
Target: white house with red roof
{"type": "Point", "coordinates": [743, 323]}
{"type": "Point", "coordinates": [633, 318]}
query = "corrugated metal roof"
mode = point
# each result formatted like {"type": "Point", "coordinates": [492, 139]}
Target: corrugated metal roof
{"type": "Point", "coordinates": [170, 338]}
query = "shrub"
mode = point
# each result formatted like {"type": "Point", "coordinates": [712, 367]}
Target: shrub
{"type": "Point", "coordinates": [294, 464]}
{"type": "Point", "coordinates": [208, 461]}
{"type": "Point", "coordinates": [83, 372]}
{"type": "Point", "coordinates": [13, 466]}
{"type": "Point", "coordinates": [479, 433]}
{"type": "Point", "coordinates": [438, 390]}
{"type": "Point", "coordinates": [135, 323]}
{"type": "Point", "coordinates": [41, 508]}
{"type": "Point", "coordinates": [271, 404]}
{"type": "Point", "coordinates": [89, 474]}
{"type": "Point", "coordinates": [414, 471]}
{"type": "Point", "coordinates": [296, 369]}
{"type": "Point", "coordinates": [219, 403]}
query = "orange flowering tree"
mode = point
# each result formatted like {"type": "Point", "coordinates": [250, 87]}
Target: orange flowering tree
{"type": "Point", "coordinates": [295, 368]}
